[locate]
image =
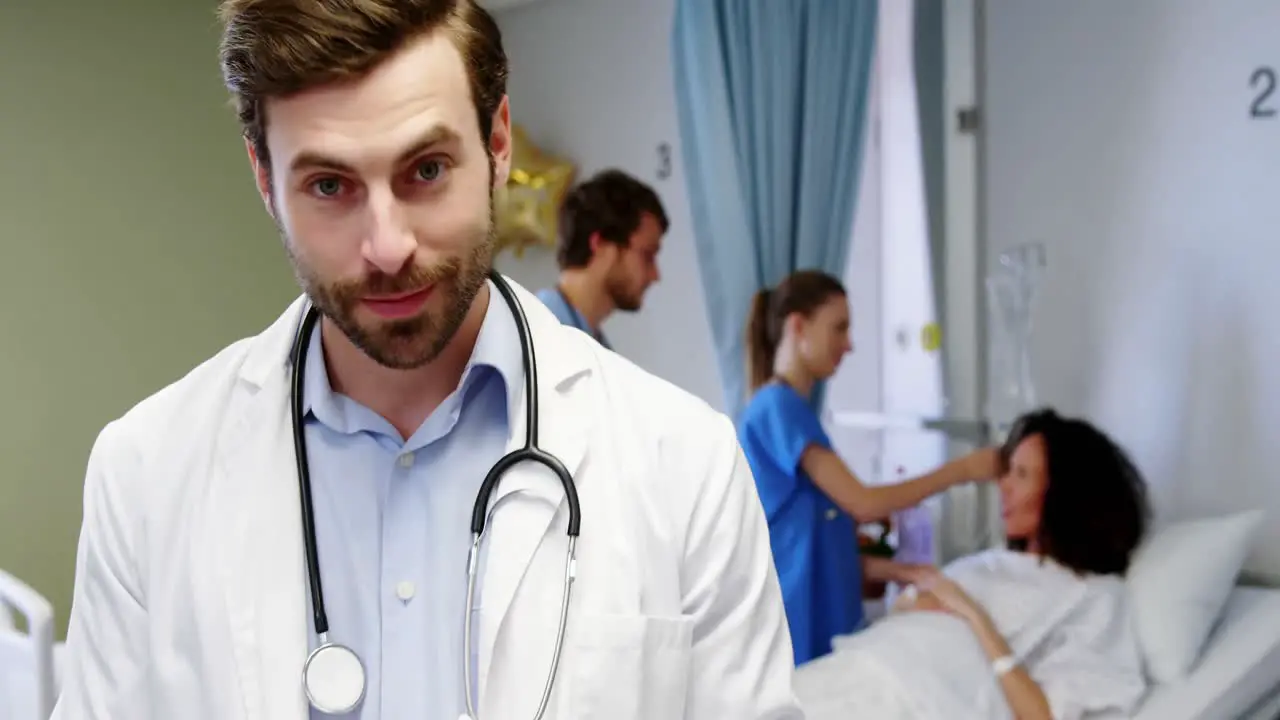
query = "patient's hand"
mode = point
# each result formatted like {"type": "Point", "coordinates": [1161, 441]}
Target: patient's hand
{"type": "Point", "coordinates": [917, 575]}
{"type": "Point", "coordinates": [929, 602]}
{"type": "Point", "coordinates": [919, 600]}
{"type": "Point", "coordinates": [885, 570]}
{"type": "Point", "coordinates": [956, 601]}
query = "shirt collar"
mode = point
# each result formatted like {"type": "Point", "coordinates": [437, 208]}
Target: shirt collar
{"type": "Point", "coordinates": [497, 349]}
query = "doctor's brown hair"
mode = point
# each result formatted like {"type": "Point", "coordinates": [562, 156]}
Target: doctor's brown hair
{"type": "Point", "coordinates": [1095, 510]}
{"type": "Point", "coordinates": [609, 204]}
{"type": "Point", "coordinates": [276, 48]}
{"type": "Point", "coordinates": [803, 291]}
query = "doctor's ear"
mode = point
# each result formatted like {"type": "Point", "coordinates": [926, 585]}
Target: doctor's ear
{"type": "Point", "coordinates": [500, 143]}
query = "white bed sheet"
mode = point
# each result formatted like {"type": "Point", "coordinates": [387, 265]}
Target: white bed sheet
{"type": "Point", "coordinates": [1238, 671]}
{"type": "Point", "coordinates": [1239, 668]}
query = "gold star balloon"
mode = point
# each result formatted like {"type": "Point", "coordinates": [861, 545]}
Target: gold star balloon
{"type": "Point", "coordinates": [527, 209]}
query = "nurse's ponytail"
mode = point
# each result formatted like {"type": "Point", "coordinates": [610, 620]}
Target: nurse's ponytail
{"type": "Point", "coordinates": [801, 292]}
{"type": "Point", "coordinates": [761, 346]}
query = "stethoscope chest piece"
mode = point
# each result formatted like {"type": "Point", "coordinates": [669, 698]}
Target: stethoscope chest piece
{"type": "Point", "coordinates": [333, 679]}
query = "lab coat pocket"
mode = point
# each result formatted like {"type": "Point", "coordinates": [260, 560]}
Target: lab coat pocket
{"type": "Point", "coordinates": [629, 667]}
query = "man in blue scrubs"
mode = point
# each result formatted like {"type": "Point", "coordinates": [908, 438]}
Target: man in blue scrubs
{"type": "Point", "coordinates": [611, 229]}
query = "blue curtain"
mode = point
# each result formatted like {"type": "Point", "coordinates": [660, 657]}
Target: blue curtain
{"type": "Point", "coordinates": [771, 98]}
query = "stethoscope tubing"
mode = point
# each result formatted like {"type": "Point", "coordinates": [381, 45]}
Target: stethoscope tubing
{"type": "Point", "coordinates": [529, 452]}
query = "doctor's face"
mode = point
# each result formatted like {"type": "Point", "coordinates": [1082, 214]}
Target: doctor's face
{"type": "Point", "coordinates": [1022, 489]}
{"type": "Point", "coordinates": [382, 189]}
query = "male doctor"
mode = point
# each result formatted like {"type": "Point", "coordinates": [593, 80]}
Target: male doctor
{"type": "Point", "coordinates": [611, 229]}
{"type": "Point", "coordinates": [377, 131]}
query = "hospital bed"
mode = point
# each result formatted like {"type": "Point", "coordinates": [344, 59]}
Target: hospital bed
{"type": "Point", "coordinates": [1238, 674]}
{"type": "Point", "coordinates": [28, 675]}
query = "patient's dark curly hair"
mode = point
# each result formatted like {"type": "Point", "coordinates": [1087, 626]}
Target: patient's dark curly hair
{"type": "Point", "coordinates": [1095, 509]}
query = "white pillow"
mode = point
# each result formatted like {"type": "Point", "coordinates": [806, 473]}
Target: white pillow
{"type": "Point", "coordinates": [1178, 584]}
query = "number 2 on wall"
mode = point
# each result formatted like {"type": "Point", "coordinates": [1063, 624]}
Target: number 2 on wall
{"type": "Point", "coordinates": [1263, 80]}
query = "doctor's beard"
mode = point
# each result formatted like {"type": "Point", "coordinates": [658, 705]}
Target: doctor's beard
{"type": "Point", "coordinates": [407, 343]}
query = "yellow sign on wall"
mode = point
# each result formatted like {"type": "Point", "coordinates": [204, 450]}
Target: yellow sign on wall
{"type": "Point", "coordinates": [931, 337]}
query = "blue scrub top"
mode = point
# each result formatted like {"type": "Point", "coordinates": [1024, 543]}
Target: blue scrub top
{"type": "Point", "coordinates": [814, 542]}
{"type": "Point", "coordinates": [567, 314]}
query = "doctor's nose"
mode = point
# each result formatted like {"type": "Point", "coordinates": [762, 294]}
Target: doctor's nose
{"type": "Point", "coordinates": [389, 241]}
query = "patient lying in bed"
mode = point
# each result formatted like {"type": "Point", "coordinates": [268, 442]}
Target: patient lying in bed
{"type": "Point", "coordinates": [1037, 630]}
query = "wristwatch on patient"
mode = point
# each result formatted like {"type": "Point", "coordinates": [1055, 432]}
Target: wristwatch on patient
{"type": "Point", "coordinates": [1002, 666]}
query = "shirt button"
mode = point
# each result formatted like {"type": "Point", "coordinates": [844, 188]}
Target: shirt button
{"type": "Point", "coordinates": [406, 460]}
{"type": "Point", "coordinates": [405, 590]}
{"type": "Point", "coordinates": [832, 513]}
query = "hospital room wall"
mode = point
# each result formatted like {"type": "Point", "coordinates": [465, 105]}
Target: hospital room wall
{"type": "Point", "coordinates": [134, 244]}
{"type": "Point", "coordinates": [1120, 135]}
{"type": "Point", "coordinates": [591, 80]}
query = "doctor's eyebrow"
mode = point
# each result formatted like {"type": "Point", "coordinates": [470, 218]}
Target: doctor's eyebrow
{"type": "Point", "coordinates": [434, 136]}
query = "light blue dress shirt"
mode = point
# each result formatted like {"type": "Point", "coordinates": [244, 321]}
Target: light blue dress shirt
{"type": "Point", "coordinates": [567, 314]}
{"type": "Point", "coordinates": [393, 523]}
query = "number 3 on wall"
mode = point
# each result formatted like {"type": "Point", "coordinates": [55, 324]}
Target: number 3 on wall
{"type": "Point", "coordinates": [1263, 80]}
{"type": "Point", "coordinates": [664, 161]}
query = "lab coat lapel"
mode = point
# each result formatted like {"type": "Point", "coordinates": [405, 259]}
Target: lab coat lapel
{"type": "Point", "coordinates": [260, 560]}
{"type": "Point", "coordinates": [516, 529]}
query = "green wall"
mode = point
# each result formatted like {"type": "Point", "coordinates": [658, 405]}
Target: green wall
{"type": "Point", "coordinates": [134, 244]}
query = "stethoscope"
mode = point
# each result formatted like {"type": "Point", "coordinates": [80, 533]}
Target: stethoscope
{"type": "Point", "coordinates": [334, 676]}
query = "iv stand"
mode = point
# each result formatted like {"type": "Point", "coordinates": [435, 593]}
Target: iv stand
{"type": "Point", "coordinates": [1011, 291]}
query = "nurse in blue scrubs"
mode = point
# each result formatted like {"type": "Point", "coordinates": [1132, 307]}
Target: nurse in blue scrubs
{"type": "Point", "coordinates": [797, 335]}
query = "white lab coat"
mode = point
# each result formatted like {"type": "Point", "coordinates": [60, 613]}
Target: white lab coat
{"type": "Point", "coordinates": [191, 597]}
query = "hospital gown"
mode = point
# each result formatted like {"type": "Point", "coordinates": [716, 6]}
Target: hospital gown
{"type": "Point", "coordinates": [1072, 633]}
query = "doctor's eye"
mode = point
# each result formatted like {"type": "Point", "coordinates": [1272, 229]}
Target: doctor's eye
{"type": "Point", "coordinates": [326, 187]}
{"type": "Point", "coordinates": [429, 170]}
